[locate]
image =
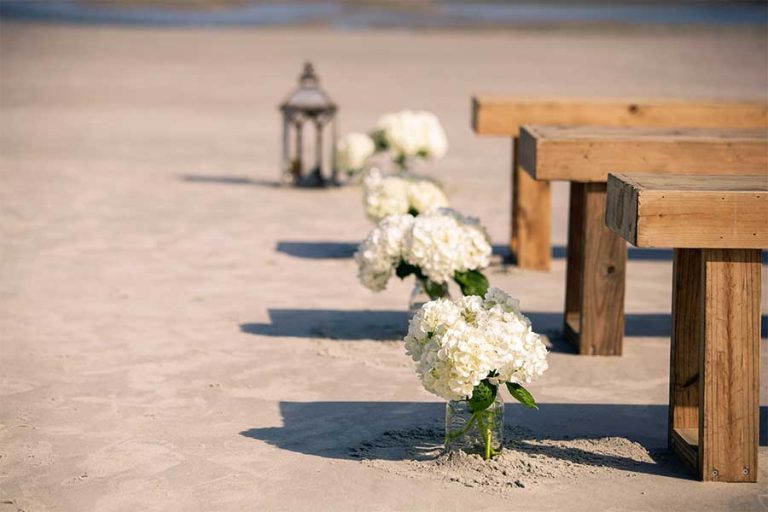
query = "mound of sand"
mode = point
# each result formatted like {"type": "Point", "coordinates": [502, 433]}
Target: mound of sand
{"type": "Point", "coordinates": [527, 459]}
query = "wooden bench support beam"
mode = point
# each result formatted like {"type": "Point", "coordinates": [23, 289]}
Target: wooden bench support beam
{"type": "Point", "coordinates": [715, 356]}
{"type": "Point", "coordinates": [717, 228]}
{"type": "Point", "coordinates": [531, 243]}
{"type": "Point", "coordinates": [684, 364]}
{"type": "Point", "coordinates": [594, 297]}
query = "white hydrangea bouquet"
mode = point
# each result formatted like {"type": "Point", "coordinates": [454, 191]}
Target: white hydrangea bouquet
{"type": "Point", "coordinates": [390, 195]}
{"type": "Point", "coordinates": [464, 350]}
{"type": "Point", "coordinates": [405, 135]}
{"type": "Point", "coordinates": [354, 152]}
{"type": "Point", "coordinates": [436, 247]}
{"type": "Point", "coordinates": [410, 134]}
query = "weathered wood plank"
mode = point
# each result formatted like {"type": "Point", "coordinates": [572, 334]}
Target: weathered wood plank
{"type": "Point", "coordinates": [600, 278]}
{"type": "Point", "coordinates": [503, 115]}
{"type": "Point", "coordinates": [687, 333]}
{"type": "Point", "coordinates": [729, 408]}
{"type": "Point", "coordinates": [685, 443]}
{"type": "Point", "coordinates": [588, 153]}
{"type": "Point", "coordinates": [574, 264]}
{"type": "Point", "coordinates": [689, 212]}
{"type": "Point", "coordinates": [531, 222]}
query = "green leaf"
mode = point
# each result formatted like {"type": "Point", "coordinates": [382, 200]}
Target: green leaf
{"type": "Point", "coordinates": [471, 282]}
{"type": "Point", "coordinates": [379, 140]}
{"type": "Point", "coordinates": [435, 290]}
{"type": "Point", "coordinates": [483, 396]}
{"type": "Point", "coordinates": [522, 395]}
{"type": "Point", "coordinates": [404, 270]}
{"type": "Point", "coordinates": [401, 161]}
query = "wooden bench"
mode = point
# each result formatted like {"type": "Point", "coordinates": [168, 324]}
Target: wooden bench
{"type": "Point", "coordinates": [531, 202]}
{"type": "Point", "coordinates": [717, 227]}
{"type": "Point", "coordinates": [594, 297]}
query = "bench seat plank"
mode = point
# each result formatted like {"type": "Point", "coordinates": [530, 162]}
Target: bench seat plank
{"type": "Point", "coordinates": [504, 114]}
{"type": "Point", "coordinates": [588, 153]}
{"type": "Point", "coordinates": [689, 212]}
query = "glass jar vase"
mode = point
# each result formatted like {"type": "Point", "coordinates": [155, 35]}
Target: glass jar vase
{"type": "Point", "coordinates": [480, 433]}
{"type": "Point", "coordinates": [419, 295]}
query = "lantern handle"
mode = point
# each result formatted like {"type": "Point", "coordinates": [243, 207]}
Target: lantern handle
{"type": "Point", "coordinates": [308, 76]}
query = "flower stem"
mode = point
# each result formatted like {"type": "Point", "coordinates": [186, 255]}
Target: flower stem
{"type": "Point", "coordinates": [450, 436]}
{"type": "Point", "coordinates": [485, 431]}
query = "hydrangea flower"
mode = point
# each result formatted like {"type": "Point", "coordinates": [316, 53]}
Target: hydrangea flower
{"type": "Point", "coordinates": [412, 134]}
{"type": "Point", "coordinates": [437, 246]}
{"type": "Point", "coordinates": [354, 151]}
{"type": "Point", "coordinates": [459, 344]}
{"type": "Point", "coordinates": [391, 195]}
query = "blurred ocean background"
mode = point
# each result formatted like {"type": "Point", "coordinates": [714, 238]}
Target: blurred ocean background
{"type": "Point", "coordinates": [373, 14]}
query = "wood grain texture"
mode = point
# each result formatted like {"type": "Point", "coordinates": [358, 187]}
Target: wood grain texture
{"type": "Point", "coordinates": [531, 241]}
{"type": "Point", "coordinates": [685, 442]}
{"type": "Point", "coordinates": [574, 264]}
{"type": "Point", "coordinates": [588, 154]}
{"type": "Point", "coordinates": [729, 409]}
{"type": "Point", "coordinates": [596, 272]}
{"type": "Point", "coordinates": [687, 333]}
{"type": "Point", "coordinates": [503, 115]}
{"type": "Point", "coordinates": [689, 212]}
{"type": "Point", "coordinates": [621, 208]}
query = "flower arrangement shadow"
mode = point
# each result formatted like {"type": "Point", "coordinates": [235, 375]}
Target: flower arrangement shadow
{"type": "Point", "coordinates": [413, 432]}
{"type": "Point", "coordinates": [349, 325]}
{"type": "Point", "coordinates": [337, 250]}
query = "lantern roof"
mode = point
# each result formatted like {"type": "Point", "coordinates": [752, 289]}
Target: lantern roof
{"type": "Point", "coordinates": [308, 96]}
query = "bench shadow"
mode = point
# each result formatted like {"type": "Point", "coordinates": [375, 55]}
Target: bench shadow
{"type": "Point", "coordinates": [387, 325]}
{"type": "Point", "coordinates": [644, 325]}
{"type": "Point", "coordinates": [228, 180]}
{"type": "Point", "coordinates": [355, 430]}
{"type": "Point", "coordinates": [319, 250]}
{"type": "Point", "coordinates": [633, 254]}
{"type": "Point", "coordinates": [648, 325]}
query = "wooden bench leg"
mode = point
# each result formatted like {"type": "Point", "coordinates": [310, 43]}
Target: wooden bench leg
{"type": "Point", "coordinates": [594, 298]}
{"type": "Point", "coordinates": [684, 354]}
{"type": "Point", "coordinates": [719, 327]}
{"type": "Point", "coordinates": [531, 242]}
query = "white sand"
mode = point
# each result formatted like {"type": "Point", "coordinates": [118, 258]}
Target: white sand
{"type": "Point", "coordinates": [172, 337]}
{"type": "Point", "coordinates": [527, 459]}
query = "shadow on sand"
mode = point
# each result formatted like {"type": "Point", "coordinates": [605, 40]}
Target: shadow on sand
{"type": "Point", "coordinates": [227, 180]}
{"type": "Point", "coordinates": [332, 324]}
{"type": "Point", "coordinates": [392, 325]}
{"type": "Point", "coordinates": [335, 250]}
{"type": "Point", "coordinates": [337, 430]}
{"type": "Point", "coordinates": [341, 250]}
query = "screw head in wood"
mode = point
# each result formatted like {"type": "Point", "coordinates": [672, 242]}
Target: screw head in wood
{"type": "Point", "coordinates": [715, 472]}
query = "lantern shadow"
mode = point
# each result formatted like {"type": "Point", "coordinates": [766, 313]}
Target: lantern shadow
{"type": "Point", "coordinates": [355, 325]}
{"type": "Point", "coordinates": [403, 431]}
{"type": "Point", "coordinates": [228, 180]}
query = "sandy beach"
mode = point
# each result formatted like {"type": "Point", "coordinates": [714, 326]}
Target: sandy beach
{"type": "Point", "coordinates": [179, 333]}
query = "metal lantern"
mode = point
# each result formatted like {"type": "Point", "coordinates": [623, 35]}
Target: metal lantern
{"type": "Point", "coordinates": [308, 104]}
